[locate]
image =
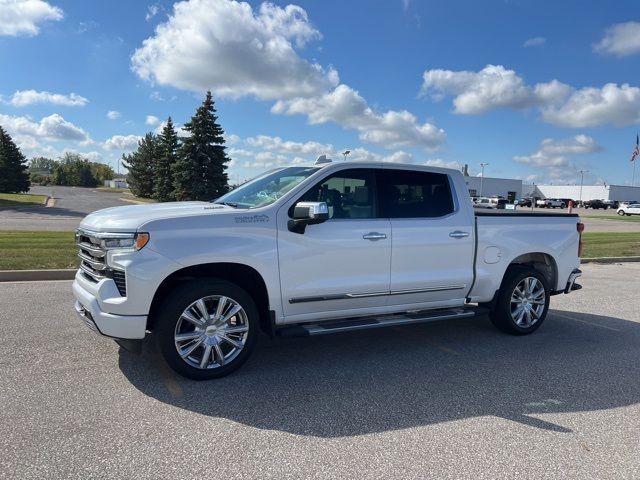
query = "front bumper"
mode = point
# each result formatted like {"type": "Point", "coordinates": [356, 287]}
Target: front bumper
{"type": "Point", "coordinates": [108, 324]}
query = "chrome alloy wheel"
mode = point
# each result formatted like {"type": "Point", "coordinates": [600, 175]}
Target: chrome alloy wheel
{"type": "Point", "coordinates": [528, 301]}
{"type": "Point", "coordinates": [211, 332]}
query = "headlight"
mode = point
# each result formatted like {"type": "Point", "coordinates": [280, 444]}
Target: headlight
{"type": "Point", "coordinates": [125, 241]}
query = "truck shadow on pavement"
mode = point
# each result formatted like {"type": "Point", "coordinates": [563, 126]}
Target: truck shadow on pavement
{"type": "Point", "coordinates": [396, 378]}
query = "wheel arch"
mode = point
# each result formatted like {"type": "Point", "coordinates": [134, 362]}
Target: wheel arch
{"type": "Point", "coordinates": [246, 277]}
{"type": "Point", "coordinates": [541, 262]}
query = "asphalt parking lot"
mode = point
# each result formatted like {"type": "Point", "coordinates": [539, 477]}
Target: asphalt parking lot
{"type": "Point", "coordinates": [72, 204]}
{"type": "Point", "coordinates": [452, 399]}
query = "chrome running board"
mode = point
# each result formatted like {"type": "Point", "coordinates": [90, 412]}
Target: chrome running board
{"type": "Point", "coordinates": [366, 323]}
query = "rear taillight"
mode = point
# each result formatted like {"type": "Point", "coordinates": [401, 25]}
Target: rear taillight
{"type": "Point", "coordinates": [580, 228]}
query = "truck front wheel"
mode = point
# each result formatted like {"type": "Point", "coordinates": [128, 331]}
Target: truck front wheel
{"type": "Point", "coordinates": [522, 302]}
{"type": "Point", "coordinates": [207, 328]}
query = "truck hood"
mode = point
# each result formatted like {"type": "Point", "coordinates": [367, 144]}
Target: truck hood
{"type": "Point", "coordinates": [130, 218]}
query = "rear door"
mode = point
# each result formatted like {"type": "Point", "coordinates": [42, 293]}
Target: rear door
{"type": "Point", "coordinates": [433, 238]}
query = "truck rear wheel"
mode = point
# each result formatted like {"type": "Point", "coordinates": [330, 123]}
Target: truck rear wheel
{"type": "Point", "coordinates": [207, 328]}
{"type": "Point", "coordinates": [522, 302]}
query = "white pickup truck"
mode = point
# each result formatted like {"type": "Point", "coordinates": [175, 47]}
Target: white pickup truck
{"type": "Point", "coordinates": [313, 250]}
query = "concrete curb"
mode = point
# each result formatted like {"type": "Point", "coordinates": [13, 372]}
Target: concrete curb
{"type": "Point", "coordinates": [137, 202]}
{"type": "Point", "coordinates": [36, 275]}
{"type": "Point", "coordinates": [610, 259]}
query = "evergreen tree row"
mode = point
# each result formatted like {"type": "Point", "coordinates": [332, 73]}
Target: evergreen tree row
{"type": "Point", "coordinates": [167, 168]}
{"type": "Point", "coordinates": [14, 177]}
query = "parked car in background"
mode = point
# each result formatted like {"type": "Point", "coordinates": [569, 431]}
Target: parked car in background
{"type": "Point", "coordinates": [632, 209]}
{"type": "Point", "coordinates": [611, 204]}
{"type": "Point", "coordinates": [484, 202]}
{"type": "Point", "coordinates": [501, 203]}
{"type": "Point", "coordinates": [567, 200]}
{"type": "Point", "coordinates": [524, 202]}
{"type": "Point", "coordinates": [550, 203]}
{"type": "Point", "coordinates": [627, 203]}
{"type": "Point", "coordinates": [595, 204]}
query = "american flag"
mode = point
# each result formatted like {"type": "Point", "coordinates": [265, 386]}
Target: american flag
{"type": "Point", "coordinates": [636, 150]}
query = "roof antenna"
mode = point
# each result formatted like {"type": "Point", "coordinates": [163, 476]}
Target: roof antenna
{"type": "Point", "coordinates": [322, 159]}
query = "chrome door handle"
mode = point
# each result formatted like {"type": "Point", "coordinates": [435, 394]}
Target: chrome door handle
{"type": "Point", "coordinates": [459, 234]}
{"type": "Point", "coordinates": [373, 236]}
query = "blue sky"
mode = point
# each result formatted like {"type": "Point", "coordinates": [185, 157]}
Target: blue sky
{"type": "Point", "coordinates": [539, 90]}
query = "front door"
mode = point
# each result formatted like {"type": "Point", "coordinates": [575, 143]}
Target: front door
{"type": "Point", "coordinates": [433, 244]}
{"type": "Point", "coordinates": [338, 268]}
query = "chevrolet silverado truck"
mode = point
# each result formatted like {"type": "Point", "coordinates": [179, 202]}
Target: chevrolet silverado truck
{"type": "Point", "coordinates": [314, 250]}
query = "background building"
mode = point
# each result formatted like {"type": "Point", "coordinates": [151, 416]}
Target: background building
{"type": "Point", "coordinates": [505, 187]}
{"type": "Point", "coordinates": [589, 192]}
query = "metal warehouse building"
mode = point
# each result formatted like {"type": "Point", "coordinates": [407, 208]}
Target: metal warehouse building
{"type": "Point", "coordinates": [504, 187]}
{"type": "Point", "coordinates": [589, 192]}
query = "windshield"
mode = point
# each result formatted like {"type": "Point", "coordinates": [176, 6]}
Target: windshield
{"type": "Point", "coordinates": [267, 188]}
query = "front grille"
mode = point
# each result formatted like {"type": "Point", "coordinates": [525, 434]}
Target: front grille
{"type": "Point", "coordinates": [92, 256]}
{"type": "Point", "coordinates": [93, 261]}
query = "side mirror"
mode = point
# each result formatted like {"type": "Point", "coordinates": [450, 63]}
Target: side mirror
{"type": "Point", "coordinates": [307, 213]}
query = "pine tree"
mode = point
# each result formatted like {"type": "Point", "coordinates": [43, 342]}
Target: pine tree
{"type": "Point", "coordinates": [141, 165]}
{"type": "Point", "coordinates": [163, 189]}
{"type": "Point", "coordinates": [14, 177]}
{"type": "Point", "coordinates": [199, 173]}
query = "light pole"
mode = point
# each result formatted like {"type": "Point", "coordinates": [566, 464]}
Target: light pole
{"type": "Point", "coordinates": [582, 172]}
{"type": "Point", "coordinates": [482, 165]}
{"type": "Point", "coordinates": [345, 153]}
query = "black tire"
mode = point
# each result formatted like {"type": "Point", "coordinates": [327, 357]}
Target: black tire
{"type": "Point", "coordinates": [172, 309]}
{"type": "Point", "coordinates": [563, 206]}
{"type": "Point", "coordinates": [501, 310]}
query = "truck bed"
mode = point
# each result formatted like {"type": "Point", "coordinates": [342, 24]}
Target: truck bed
{"type": "Point", "coordinates": [519, 213]}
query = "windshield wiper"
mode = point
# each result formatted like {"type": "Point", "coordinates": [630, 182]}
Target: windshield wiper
{"type": "Point", "coordinates": [228, 204]}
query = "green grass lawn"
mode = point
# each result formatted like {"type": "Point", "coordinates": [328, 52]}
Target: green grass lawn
{"type": "Point", "coordinates": [632, 218]}
{"type": "Point", "coordinates": [614, 244]}
{"type": "Point", "coordinates": [37, 250]}
{"type": "Point", "coordinates": [13, 200]}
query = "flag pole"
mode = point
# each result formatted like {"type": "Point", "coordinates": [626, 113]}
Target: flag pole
{"type": "Point", "coordinates": [633, 176]}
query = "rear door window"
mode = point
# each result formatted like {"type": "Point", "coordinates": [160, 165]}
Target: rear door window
{"type": "Point", "coordinates": [411, 194]}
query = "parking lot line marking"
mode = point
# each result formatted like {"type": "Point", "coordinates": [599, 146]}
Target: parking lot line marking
{"type": "Point", "coordinates": [584, 321]}
{"type": "Point", "coordinates": [170, 381]}
{"type": "Point", "coordinates": [442, 348]}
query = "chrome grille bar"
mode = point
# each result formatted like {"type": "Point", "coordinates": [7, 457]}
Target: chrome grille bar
{"type": "Point", "coordinates": [92, 255]}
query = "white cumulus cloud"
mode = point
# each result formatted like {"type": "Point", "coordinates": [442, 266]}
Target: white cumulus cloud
{"type": "Point", "coordinates": [123, 143]}
{"type": "Point", "coordinates": [53, 127]}
{"type": "Point", "coordinates": [556, 156]}
{"type": "Point", "coordinates": [621, 40]}
{"type": "Point", "coordinates": [300, 148]}
{"type": "Point", "coordinates": [591, 107]}
{"type": "Point", "coordinates": [345, 106]}
{"type": "Point", "coordinates": [490, 88]}
{"type": "Point", "coordinates": [497, 87]}
{"type": "Point", "coordinates": [152, 120]}
{"type": "Point", "coordinates": [113, 115]}
{"type": "Point", "coordinates": [228, 47]}
{"type": "Point", "coordinates": [22, 98]}
{"type": "Point", "coordinates": [22, 17]}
